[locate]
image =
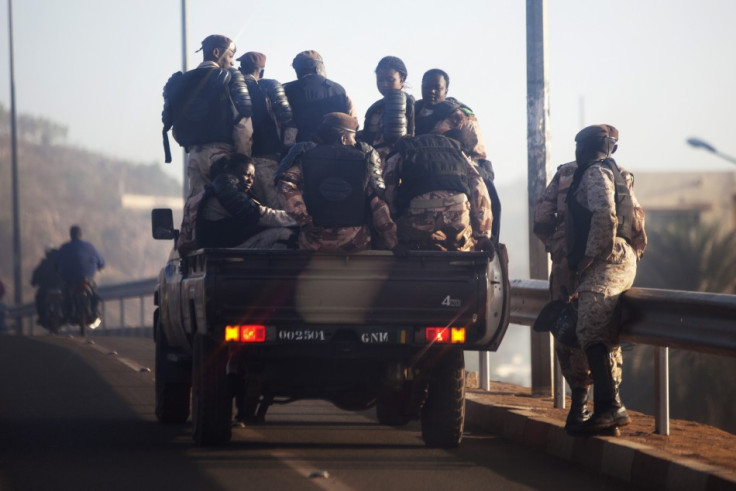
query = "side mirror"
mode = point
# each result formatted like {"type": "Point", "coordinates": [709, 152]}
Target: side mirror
{"type": "Point", "coordinates": [162, 224]}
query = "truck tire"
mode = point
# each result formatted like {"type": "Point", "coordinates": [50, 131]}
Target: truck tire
{"type": "Point", "coordinates": [391, 408]}
{"type": "Point", "coordinates": [173, 381]}
{"type": "Point", "coordinates": [443, 415]}
{"type": "Point", "coordinates": [212, 405]}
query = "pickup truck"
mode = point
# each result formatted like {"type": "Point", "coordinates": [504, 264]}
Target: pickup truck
{"type": "Point", "coordinates": [360, 330]}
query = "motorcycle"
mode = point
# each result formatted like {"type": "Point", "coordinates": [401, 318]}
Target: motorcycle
{"type": "Point", "coordinates": [53, 310]}
{"type": "Point", "coordinates": [83, 307]}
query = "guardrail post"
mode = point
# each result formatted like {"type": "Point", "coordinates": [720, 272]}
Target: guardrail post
{"type": "Point", "coordinates": [559, 390]}
{"type": "Point", "coordinates": [484, 369]}
{"type": "Point", "coordinates": [662, 390]}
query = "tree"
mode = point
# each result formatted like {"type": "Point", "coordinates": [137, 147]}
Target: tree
{"type": "Point", "coordinates": [692, 258]}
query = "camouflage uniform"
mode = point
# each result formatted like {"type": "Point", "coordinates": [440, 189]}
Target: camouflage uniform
{"type": "Point", "coordinates": [459, 118]}
{"type": "Point", "coordinates": [441, 220]}
{"type": "Point", "coordinates": [614, 267]}
{"type": "Point", "coordinates": [549, 226]}
{"type": "Point", "coordinates": [345, 239]}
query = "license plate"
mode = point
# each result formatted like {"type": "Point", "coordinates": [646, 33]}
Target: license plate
{"type": "Point", "coordinates": [302, 335]}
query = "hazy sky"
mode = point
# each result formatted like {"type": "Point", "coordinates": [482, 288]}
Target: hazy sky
{"type": "Point", "coordinates": [659, 70]}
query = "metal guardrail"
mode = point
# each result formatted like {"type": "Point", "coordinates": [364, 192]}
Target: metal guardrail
{"type": "Point", "coordinates": [693, 321]}
{"type": "Point", "coordinates": [140, 289]}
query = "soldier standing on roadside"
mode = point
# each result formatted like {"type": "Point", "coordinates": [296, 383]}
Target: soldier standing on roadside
{"type": "Point", "coordinates": [209, 109]}
{"type": "Point", "coordinates": [549, 225]}
{"type": "Point", "coordinates": [274, 130]}
{"type": "Point", "coordinates": [605, 238]}
{"type": "Point", "coordinates": [312, 95]}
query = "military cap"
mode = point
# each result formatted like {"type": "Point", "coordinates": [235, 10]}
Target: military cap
{"type": "Point", "coordinates": [217, 41]}
{"type": "Point", "coordinates": [309, 56]}
{"type": "Point", "coordinates": [597, 131]}
{"type": "Point", "coordinates": [340, 121]}
{"type": "Point", "coordinates": [253, 59]}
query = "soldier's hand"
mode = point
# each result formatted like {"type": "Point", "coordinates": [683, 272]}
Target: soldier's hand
{"type": "Point", "coordinates": [485, 244]}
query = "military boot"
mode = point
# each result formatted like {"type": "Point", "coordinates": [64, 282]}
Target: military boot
{"type": "Point", "coordinates": [579, 412]}
{"type": "Point", "coordinates": [608, 411]}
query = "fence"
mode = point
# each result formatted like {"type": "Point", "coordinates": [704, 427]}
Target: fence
{"type": "Point", "coordinates": [119, 312]}
{"type": "Point", "coordinates": [692, 321]}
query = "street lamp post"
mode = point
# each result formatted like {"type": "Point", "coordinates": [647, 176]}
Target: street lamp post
{"type": "Point", "coordinates": [17, 264]}
{"type": "Point", "coordinates": [698, 143]}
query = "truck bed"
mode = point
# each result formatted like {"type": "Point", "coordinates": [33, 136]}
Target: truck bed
{"type": "Point", "coordinates": [371, 290]}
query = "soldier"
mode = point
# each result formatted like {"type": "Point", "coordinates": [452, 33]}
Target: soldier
{"type": "Point", "coordinates": [391, 117]}
{"type": "Point", "coordinates": [437, 196]}
{"type": "Point", "coordinates": [436, 113]}
{"type": "Point", "coordinates": [274, 130]}
{"type": "Point", "coordinates": [334, 190]}
{"type": "Point", "coordinates": [549, 225]}
{"type": "Point", "coordinates": [605, 238]}
{"type": "Point", "coordinates": [225, 214]}
{"type": "Point", "coordinates": [312, 95]}
{"type": "Point", "coordinates": [209, 109]}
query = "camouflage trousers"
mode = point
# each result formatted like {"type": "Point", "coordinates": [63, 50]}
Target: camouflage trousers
{"type": "Point", "coordinates": [573, 360]}
{"type": "Point", "coordinates": [264, 187]}
{"type": "Point", "coordinates": [199, 160]}
{"type": "Point", "coordinates": [440, 229]}
{"type": "Point", "coordinates": [342, 239]}
{"type": "Point", "coordinates": [201, 157]}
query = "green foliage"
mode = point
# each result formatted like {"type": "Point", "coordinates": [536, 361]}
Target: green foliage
{"type": "Point", "coordinates": [691, 258]}
{"type": "Point", "coordinates": [681, 256]}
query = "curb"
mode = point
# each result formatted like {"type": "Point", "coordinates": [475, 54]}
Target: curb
{"type": "Point", "coordinates": [625, 460]}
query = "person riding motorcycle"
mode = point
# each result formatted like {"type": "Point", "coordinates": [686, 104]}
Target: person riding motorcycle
{"type": "Point", "coordinates": [77, 262]}
{"type": "Point", "coordinates": [46, 278]}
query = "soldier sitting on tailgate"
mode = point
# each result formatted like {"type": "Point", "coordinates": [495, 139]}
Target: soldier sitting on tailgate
{"type": "Point", "coordinates": [437, 197]}
{"type": "Point", "coordinates": [334, 190]}
{"type": "Point", "coordinates": [225, 214]}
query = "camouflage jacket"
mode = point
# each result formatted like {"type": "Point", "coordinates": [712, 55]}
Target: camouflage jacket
{"type": "Point", "coordinates": [597, 193]}
{"type": "Point", "coordinates": [481, 216]}
{"type": "Point", "coordinates": [346, 239]}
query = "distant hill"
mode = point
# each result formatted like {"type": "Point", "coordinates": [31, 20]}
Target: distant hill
{"type": "Point", "coordinates": [59, 186]}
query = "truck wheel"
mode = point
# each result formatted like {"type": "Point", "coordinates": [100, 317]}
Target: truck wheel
{"type": "Point", "coordinates": [391, 408]}
{"type": "Point", "coordinates": [443, 414]}
{"type": "Point", "coordinates": [173, 381]}
{"type": "Point", "coordinates": [212, 406]}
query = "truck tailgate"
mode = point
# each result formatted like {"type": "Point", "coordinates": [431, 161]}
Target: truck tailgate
{"type": "Point", "coordinates": [369, 288]}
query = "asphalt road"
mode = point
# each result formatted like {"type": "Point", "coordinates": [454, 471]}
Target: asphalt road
{"type": "Point", "coordinates": [75, 415]}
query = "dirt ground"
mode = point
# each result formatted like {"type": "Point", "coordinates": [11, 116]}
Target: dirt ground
{"type": "Point", "coordinates": [687, 439]}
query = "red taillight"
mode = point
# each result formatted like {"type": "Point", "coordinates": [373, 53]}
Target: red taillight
{"type": "Point", "coordinates": [445, 334]}
{"type": "Point", "coordinates": [250, 333]}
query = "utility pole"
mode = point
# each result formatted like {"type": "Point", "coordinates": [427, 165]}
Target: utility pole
{"type": "Point", "coordinates": [14, 166]}
{"type": "Point", "coordinates": [185, 181]}
{"type": "Point", "coordinates": [538, 161]}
